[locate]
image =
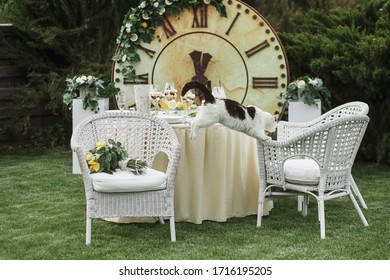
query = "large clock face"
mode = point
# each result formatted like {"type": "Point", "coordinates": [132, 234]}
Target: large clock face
{"type": "Point", "coordinates": [240, 52]}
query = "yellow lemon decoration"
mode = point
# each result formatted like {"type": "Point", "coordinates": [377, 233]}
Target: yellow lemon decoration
{"type": "Point", "coordinates": [164, 105]}
{"type": "Point", "coordinates": [182, 105]}
{"type": "Point", "coordinates": [172, 105]}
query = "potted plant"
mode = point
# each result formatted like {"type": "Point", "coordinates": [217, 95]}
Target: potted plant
{"type": "Point", "coordinates": [89, 88]}
{"type": "Point", "coordinates": [303, 98]}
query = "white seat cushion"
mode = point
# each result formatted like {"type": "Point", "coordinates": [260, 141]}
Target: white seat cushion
{"type": "Point", "coordinates": [302, 171]}
{"type": "Point", "coordinates": [126, 181]}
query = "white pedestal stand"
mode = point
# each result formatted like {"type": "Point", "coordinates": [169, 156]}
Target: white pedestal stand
{"type": "Point", "coordinates": [301, 112]}
{"type": "Point", "coordinates": [79, 114]}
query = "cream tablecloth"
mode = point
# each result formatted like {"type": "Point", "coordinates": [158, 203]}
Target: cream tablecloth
{"type": "Point", "coordinates": [217, 177]}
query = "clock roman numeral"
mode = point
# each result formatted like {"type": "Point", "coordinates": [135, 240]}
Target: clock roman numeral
{"type": "Point", "coordinates": [268, 82]}
{"type": "Point", "coordinates": [149, 52]}
{"type": "Point", "coordinates": [141, 79]}
{"type": "Point", "coordinates": [257, 48]}
{"type": "Point", "coordinates": [168, 27]}
{"type": "Point", "coordinates": [202, 13]}
{"type": "Point", "coordinates": [232, 24]}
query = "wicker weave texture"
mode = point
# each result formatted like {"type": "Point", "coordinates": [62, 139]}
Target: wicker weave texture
{"type": "Point", "coordinates": [332, 144]}
{"type": "Point", "coordinates": [143, 137]}
{"type": "Point", "coordinates": [288, 130]}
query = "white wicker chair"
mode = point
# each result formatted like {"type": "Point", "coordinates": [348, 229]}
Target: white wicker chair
{"type": "Point", "coordinates": [143, 137]}
{"type": "Point", "coordinates": [287, 130]}
{"type": "Point", "coordinates": [317, 163]}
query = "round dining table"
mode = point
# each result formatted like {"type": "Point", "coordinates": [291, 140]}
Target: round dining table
{"type": "Point", "coordinates": [217, 177]}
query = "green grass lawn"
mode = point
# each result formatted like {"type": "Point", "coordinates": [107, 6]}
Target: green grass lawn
{"type": "Point", "coordinates": [42, 217]}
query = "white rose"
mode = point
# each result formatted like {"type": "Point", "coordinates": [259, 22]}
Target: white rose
{"type": "Point", "coordinates": [319, 82]}
{"type": "Point", "coordinates": [123, 164]}
{"type": "Point", "coordinates": [134, 37]}
{"type": "Point", "coordinates": [155, 4]}
{"type": "Point", "coordinates": [313, 82]}
{"type": "Point", "coordinates": [301, 84]}
{"type": "Point", "coordinates": [168, 2]}
{"type": "Point", "coordinates": [124, 57]}
{"type": "Point", "coordinates": [145, 15]}
{"type": "Point", "coordinates": [142, 5]}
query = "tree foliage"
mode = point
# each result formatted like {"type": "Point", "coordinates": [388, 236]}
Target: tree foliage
{"type": "Point", "coordinates": [347, 47]}
{"type": "Point", "coordinates": [350, 50]}
{"type": "Point", "coordinates": [281, 13]}
{"type": "Point", "coordinates": [57, 39]}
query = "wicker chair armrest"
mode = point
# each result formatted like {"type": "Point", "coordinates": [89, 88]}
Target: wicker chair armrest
{"type": "Point", "coordinates": [287, 130]}
{"type": "Point", "coordinates": [173, 162]}
{"type": "Point", "coordinates": [86, 174]}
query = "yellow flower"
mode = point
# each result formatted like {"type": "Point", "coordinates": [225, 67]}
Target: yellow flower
{"type": "Point", "coordinates": [88, 156]}
{"type": "Point", "coordinates": [94, 166]}
{"type": "Point", "coordinates": [144, 24]}
{"type": "Point", "coordinates": [101, 144]}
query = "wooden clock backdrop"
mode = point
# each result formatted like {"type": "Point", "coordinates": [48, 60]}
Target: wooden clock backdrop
{"type": "Point", "coordinates": [240, 52]}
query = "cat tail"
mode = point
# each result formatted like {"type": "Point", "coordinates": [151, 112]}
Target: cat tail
{"type": "Point", "coordinates": [208, 96]}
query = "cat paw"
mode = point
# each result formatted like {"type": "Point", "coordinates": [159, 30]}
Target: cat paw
{"type": "Point", "coordinates": [265, 137]}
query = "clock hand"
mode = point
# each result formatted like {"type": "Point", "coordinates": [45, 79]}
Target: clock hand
{"type": "Point", "coordinates": [201, 61]}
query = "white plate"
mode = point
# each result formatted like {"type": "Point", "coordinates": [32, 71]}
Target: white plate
{"type": "Point", "coordinates": [171, 118]}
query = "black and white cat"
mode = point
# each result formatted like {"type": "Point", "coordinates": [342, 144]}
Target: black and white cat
{"type": "Point", "coordinates": [247, 119]}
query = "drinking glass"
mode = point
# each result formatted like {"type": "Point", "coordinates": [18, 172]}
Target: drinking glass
{"type": "Point", "coordinates": [155, 97]}
{"type": "Point", "coordinates": [219, 92]}
{"type": "Point", "coordinates": [121, 101]}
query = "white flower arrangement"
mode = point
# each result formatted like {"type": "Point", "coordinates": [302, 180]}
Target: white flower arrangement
{"type": "Point", "coordinates": [306, 89]}
{"type": "Point", "coordinates": [88, 86]}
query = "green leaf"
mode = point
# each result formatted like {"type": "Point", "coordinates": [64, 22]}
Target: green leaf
{"type": "Point", "coordinates": [114, 161]}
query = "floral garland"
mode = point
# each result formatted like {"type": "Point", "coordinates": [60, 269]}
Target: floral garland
{"type": "Point", "coordinates": [140, 24]}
